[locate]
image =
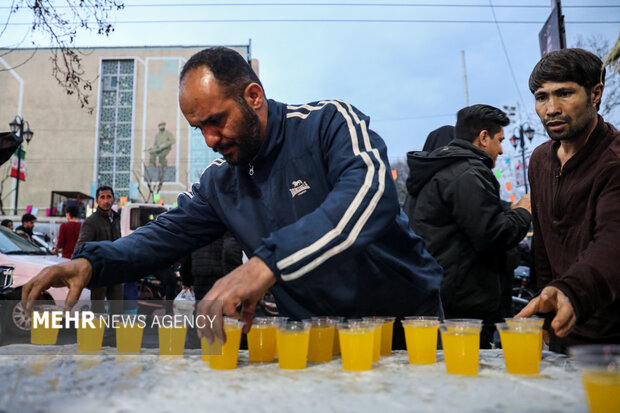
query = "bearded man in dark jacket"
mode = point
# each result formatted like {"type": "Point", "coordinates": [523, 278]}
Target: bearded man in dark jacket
{"type": "Point", "coordinates": [457, 210]}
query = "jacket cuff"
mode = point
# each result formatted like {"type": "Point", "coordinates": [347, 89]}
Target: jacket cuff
{"type": "Point", "coordinates": [268, 258]}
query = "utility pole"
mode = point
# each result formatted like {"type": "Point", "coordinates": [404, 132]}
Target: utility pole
{"type": "Point", "coordinates": [466, 89]}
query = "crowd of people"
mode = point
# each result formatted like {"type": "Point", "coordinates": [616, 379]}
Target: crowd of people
{"type": "Point", "coordinates": [306, 192]}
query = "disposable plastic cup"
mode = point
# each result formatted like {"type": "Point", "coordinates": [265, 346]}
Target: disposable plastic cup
{"type": "Point", "coordinates": [278, 321]}
{"type": "Point", "coordinates": [377, 322]}
{"type": "Point", "coordinates": [521, 347]}
{"type": "Point", "coordinates": [171, 337]}
{"type": "Point", "coordinates": [421, 339]}
{"type": "Point", "coordinates": [530, 320]}
{"type": "Point", "coordinates": [90, 335]}
{"type": "Point", "coordinates": [336, 347]}
{"type": "Point", "coordinates": [43, 333]}
{"type": "Point", "coordinates": [356, 345]}
{"type": "Point", "coordinates": [230, 349]}
{"type": "Point", "coordinates": [600, 373]}
{"type": "Point", "coordinates": [322, 330]}
{"type": "Point", "coordinates": [461, 346]}
{"type": "Point", "coordinates": [262, 340]}
{"type": "Point", "coordinates": [293, 341]}
{"type": "Point", "coordinates": [129, 332]}
{"type": "Point", "coordinates": [387, 330]}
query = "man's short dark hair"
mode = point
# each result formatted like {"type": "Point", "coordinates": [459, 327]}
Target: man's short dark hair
{"type": "Point", "coordinates": [28, 218]}
{"type": "Point", "coordinates": [472, 120]}
{"type": "Point", "coordinates": [231, 71]}
{"type": "Point", "coordinates": [568, 65]}
{"type": "Point", "coordinates": [73, 211]}
{"type": "Point", "coordinates": [104, 188]}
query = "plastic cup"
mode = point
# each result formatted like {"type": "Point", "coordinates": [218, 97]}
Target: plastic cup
{"type": "Point", "coordinates": [43, 333]}
{"type": "Point", "coordinates": [278, 321]}
{"type": "Point", "coordinates": [521, 346]}
{"type": "Point", "coordinates": [387, 331]}
{"type": "Point", "coordinates": [230, 349]}
{"type": "Point", "coordinates": [262, 340]}
{"type": "Point", "coordinates": [600, 373]}
{"type": "Point", "coordinates": [90, 337]}
{"type": "Point", "coordinates": [320, 349]}
{"type": "Point", "coordinates": [356, 345]}
{"type": "Point", "coordinates": [336, 346]}
{"type": "Point", "coordinates": [129, 334]}
{"type": "Point", "coordinates": [377, 322]}
{"type": "Point", "coordinates": [171, 336]}
{"type": "Point", "coordinates": [293, 341]}
{"type": "Point", "coordinates": [421, 339]}
{"type": "Point", "coordinates": [533, 321]}
{"type": "Point", "coordinates": [461, 345]}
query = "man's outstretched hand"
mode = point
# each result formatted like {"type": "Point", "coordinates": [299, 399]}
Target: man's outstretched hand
{"type": "Point", "coordinates": [241, 290]}
{"type": "Point", "coordinates": [74, 274]}
{"type": "Point", "coordinates": [553, 300]}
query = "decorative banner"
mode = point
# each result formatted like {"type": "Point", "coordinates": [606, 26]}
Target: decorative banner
{"type": "Point", "coordinates": [123, 201]}
{"type": "Point", "coordinates": [513, 198]}
{"type": "Point", "coordinates": [156, 198]}
{"type": "Point", "coordinates": [175, 204]}
{"type": "Point", "coordinates": [394, 174]}
{"type": "Point", "coordinates": [498, 174]}
{"type": "Point", "coordinates": [29, 209]}
{"type": "Point", "coordinates": [22, 165]}
{"type": "Point", "coordinates": [508, 186]}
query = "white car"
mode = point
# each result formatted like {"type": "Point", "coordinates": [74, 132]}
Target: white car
{"type": "Point", "coordinates": [28, 260]}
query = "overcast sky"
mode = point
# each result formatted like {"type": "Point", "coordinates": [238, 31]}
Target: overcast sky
{"type": "Point", "coordinates": [407, 76]}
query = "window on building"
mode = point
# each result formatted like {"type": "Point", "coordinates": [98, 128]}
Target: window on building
{"type": "Point", "coordinates": [115, 125]}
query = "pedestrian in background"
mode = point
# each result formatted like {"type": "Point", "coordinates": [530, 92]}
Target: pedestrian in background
{"type": "Point", "coordinates": [25, 229]}
{"type": "Point", "coordinates": [68, 233]}
{"type": "Point", "coordinates": [7, 223]}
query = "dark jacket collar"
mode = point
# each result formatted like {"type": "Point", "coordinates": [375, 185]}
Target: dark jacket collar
{"type": "Point", "coordinates": [276, 116]}
{"type": "Point", "coordinates": [104, 214]}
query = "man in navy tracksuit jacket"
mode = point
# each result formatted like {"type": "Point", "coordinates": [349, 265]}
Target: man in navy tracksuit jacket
{"type": "Point", "coordinates": [311, 201]}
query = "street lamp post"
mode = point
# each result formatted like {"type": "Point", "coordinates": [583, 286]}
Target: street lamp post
{"type": "Point", "coordinates": [17, 125]}
{"type": "Point", "coordinates": [524, 129]}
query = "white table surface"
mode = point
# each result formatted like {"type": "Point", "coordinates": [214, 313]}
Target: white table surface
{"type": "Point", "coordinates": [61, 382]}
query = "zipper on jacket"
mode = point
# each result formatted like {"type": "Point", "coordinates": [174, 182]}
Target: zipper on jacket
{"type": "Point", "coordinates": [556, 193]}
{"type": "Point", "coordinates": [251, 170]}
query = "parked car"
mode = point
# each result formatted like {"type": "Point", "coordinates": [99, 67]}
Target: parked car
{"type": "Point", "coordinates": [27, 260]}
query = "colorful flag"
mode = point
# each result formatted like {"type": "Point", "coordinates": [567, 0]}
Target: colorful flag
{"type": "Point", "coordinates": [22, 166]}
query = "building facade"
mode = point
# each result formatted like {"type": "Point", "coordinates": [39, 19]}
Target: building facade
{"type": "Point", "coordinates": [136, 139]}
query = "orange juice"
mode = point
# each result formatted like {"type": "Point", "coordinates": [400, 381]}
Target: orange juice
{"type": "Point", "coordinates": [43, 335]}
{"type": "Point", "coordinates": [321, 341]}
{"type": "Point", "coordinates": [90, 338]}
{"type": "Point", "coordinates": [602, 390]}
{"type": "Point", "coordinates": [386, 336]}
{"type": "Point", "coordinates": [532, 321]}
{"type": "Point", "coordinates": [421, 343]}
{"type": "Point", "coordinates": [172, 340]}
{"type": "Point", "coordinates": [356, 345]}
{"type": "Point", "coordinates": [129, 338]}
{"type": "Point", "coordinates": [521, 350]}
{"type": "Point", "coordinates": [293, 345]}
{"type": "Point", "coordinates": [336, 346]}
{"type": "Point", "coordinates": [230, 349]}
{"type": "Point", "coordinates": [376, 342]}
{"type": "Point", "coordinates": [460, 348]}
{"type": "Point", "coordinates": [262, 343]}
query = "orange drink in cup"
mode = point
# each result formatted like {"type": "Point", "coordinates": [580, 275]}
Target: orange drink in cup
{"type": "Point", "coordinates": [42, 330]}
{"type": "Point", "coordinates": [600, 372]}
{"type": "Point", "coordinates": [336, 346]}
{"type": "Point", "coordinates": [90, 332]}
{"type": "Point", "coordinates": [262, 339]}
{"type": "Point", "coordinates": [377, 322]}
{"type": "Point", "coordinates": [129, 334]}
{"type": "Point", "coordinates": [421, 339]}
{"type": "Point", "coordinates": [293, 341]}
{"type": "Point", "coordinates": [356, 345]}
{"type": "Point", "coordinates": [230, 349]}
{"type": "Point", "coordinates": [387, 332]}
{"type": "Point", "coordinates": [521, 346]}
{"type": "Point", "coordinates": [461, 345]}
{"type": "Point", "coordinates": [535, 321]}
{"type": "Point", "coordinates": [322, 330]}
{"type": "Point", "coordinates": [172, 335]}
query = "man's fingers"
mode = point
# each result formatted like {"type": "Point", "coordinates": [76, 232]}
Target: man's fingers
{"type": "Point", "coordinates": [530, 309]}
{"type": "Point", "coordinates": [247, 315]}
{"type": "Point", "coordinates": [564, 320]}
{"type": "Point", "coordinates": [72, 297]}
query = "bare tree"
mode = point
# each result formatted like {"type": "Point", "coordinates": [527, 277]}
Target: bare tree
{"type": "Point", "coordinates": [602, 48]}
{"type": "Point", "coordinates": [61, 23]}
{"type": "Point", "coordinates": [153, 186]}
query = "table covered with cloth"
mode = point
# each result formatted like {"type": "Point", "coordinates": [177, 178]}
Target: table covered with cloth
{"type": "Point", "coordinates": [60, 381]}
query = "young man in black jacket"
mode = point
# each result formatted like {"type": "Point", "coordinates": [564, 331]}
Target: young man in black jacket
{"type": "Point", "coordinates": [457, 210]}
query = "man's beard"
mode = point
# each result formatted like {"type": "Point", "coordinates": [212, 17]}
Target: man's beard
{"type": "Point", "coordinates": [247, 139]}
{"type": "Point", "coordinates": [574, 130]}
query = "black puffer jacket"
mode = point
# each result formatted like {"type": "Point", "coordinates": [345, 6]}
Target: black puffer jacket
{"type": "Point", "coordinates": [456, 208]}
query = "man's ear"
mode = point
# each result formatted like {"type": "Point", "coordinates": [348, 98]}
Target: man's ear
{"type": "Point", "coordinates": [596, 94]}
{"type": "Point", "coordinates": [253, 95]}
{"type": "Point", "coordinates": [483, 138]}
